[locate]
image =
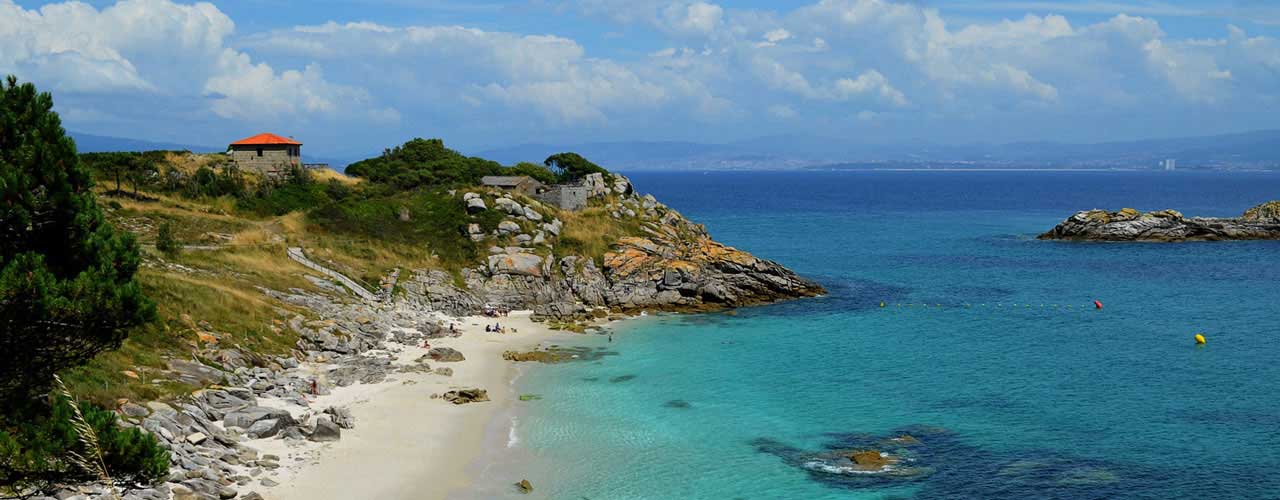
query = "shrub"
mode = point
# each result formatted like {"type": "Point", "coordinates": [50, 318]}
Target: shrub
{"type": "Point", "coordinates": [38, 445]}
{"type": "Point", "coordinates": [164, 239]}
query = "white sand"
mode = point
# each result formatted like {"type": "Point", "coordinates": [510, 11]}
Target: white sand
{"type": "Point", "coordinates": [406, 445]}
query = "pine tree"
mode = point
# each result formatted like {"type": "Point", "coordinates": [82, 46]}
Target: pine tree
{"type": "Point", "coordinates": [67, 287]}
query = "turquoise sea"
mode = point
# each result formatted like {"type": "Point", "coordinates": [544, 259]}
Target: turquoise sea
{"type": "Point", "coordinates": [1014, 384]}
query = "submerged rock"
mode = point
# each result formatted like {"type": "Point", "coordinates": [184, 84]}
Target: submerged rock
{"type": "Point", "coordinates": [524, 486]}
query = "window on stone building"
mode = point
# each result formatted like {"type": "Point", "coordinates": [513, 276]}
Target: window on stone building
{"type": "Point", "coordinates": [259, 151]}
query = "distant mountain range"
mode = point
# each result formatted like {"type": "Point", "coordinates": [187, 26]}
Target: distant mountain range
{"type": "Point", "coordinates": [89, 143]}
{"type": "Point", "coordinates": [1249, 150]}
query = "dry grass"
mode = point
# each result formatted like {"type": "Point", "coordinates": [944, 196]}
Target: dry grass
{"type": "Point", "coordinates": [326, 175]}
{"type": "Point", "coordinates": [592, 231]}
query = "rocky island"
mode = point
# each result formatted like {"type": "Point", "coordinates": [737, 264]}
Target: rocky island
{"type": "Point", "coordinates": [1258, 223]}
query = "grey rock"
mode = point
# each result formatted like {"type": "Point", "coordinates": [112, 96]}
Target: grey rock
{"type": "Point", "coordinates": [445, 354]}
{"type": "Point", "coordinates": [341, 416]}
{"type": "Point", "coordinates": [265, 428]}
{"type": "Point", "coordinates": [133, 410]}
{"type": "Point", "coordinates": [325, 430]}
{"type": "Point", "coordinates": [246, 417]}
{"type": "Point", "coordinates": [508, 227]}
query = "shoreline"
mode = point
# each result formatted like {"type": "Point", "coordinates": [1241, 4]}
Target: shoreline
{"type": "Point", "coordinates": [406, 444]}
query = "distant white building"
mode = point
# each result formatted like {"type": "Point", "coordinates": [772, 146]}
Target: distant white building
{"type": "Point", "coordinates": [1169, 164]}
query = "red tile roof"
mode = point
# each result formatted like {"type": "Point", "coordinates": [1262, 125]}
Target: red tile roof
{"type": "Point", "coordinates": [265, 138]}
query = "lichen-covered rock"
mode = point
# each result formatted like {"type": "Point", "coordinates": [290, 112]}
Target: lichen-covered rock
{"type": "Point", "coordinates": [1266, 212]}
{"type": "Point", "coordinates": [520, 264]}
{"type": "Point", "coordinates": [1258, 223]}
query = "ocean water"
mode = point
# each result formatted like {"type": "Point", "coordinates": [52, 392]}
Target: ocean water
{"type": "Point", "coordinates": [1014, 384]}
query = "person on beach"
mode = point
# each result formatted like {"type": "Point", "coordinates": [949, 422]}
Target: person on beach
{"type": "Point", "coordinates": [487, 329]}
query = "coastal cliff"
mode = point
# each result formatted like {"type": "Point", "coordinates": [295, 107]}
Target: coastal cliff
{"type": "Point", "coordinates": [653, 258]}
{"type": "Point", "coordinates": [1258, 223]}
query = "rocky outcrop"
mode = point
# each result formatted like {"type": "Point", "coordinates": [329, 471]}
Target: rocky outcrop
{"type": "Point", "coordinates": [1258, 223]}
{"type": "Point", "coordinates": [665, 263]}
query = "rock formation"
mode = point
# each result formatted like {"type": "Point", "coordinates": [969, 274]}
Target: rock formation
{"type": "Point", "coordinates": [1258, 223]}
{"type": "Point", "coordinates": [665, 263]}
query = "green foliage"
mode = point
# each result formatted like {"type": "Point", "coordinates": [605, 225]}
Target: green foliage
{"type": "Point", "coordinates": [296, 191]}
{"type": "Point", "coordinates": [572, 166]}
{"type": "Point", "coordinates": [67, 287]}
{"type": "Point", "coordinates": [137, 168]}
{"type": "Point", "coordinates": [436, 220]}
{"type": "Point", "coordinates": [207, 182]}
{"type": "Point", "coordinates": [37, 442]}
{"type": "Point", "coordinates": [165, 241]}
{"type": "Point", "coordinates": [533, 170]}
{"type": "Point", "coordinates": [423, 163]}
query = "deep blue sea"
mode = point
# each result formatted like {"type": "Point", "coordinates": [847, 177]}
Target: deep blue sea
{"type": "Point", "coordinates": [988, 350]}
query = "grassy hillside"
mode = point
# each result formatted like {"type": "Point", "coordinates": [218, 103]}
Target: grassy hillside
{"type": "Point", "coordinates": [233, 229]}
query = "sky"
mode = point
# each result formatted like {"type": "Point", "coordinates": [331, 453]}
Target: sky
{"type": "Point", "coordinates": [353, 77]}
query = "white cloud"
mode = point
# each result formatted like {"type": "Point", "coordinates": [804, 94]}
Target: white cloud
{"type": "Point", "coordinates": [159, 48]}
{"type": "Point", "coordinates": [831, 61]}
{"type": "Point", "coordinates": [870, 82]}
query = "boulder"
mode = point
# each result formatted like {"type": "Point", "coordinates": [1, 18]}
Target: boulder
{"type": "Point", "coordinates": [445, 354]}
{"type": "Point", "coordinates": [464, 396]}
{"type": "Point", "coordinates": [520, 264]}
{"type": "Point", "coordinates": [192, 373]}
{"type": "Point", "coordinates": [508, 227]}
{"type": "Point", "coordinates": [476, 204]}
{"type": "Point", "coordinates": [871, 459]}
{"type": "Point", "coordinates": [325, 430]}
{"type": "Point", "coordinates": [246, 417]}
{"type": "Point", "coordinates": [265, 428]}
{"type": "Point", "coordinates": [133, 410]}
{"type": "Point", "coordinates": [341, 416]}
{"type": "Point", "coordinates": [524, 486]}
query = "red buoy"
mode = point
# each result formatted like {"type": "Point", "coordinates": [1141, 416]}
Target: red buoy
{"type": "Point", "coordinates": [1097, 304]}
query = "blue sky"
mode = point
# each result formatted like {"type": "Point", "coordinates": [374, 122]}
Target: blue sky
{"type": "Point", "coordinates": [349, 78]}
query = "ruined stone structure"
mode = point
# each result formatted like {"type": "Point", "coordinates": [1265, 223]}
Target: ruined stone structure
{"type": "Point", "coordinates": [565, 196]}
{"type": "Point", "coordinates": [270, 154]}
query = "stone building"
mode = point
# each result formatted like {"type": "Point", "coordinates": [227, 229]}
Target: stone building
{"type": "Point", "coordinates": [565, 196]}
{"type": "Point", "coordinates": [270, 154]}
{"type": "Point", "coordinates": [518, 183]}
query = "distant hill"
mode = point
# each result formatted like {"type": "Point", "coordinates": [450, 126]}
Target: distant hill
{"type": "Point", "coordinates": [1259, 149]}
{"type": "Point", "coordinates": [89, 143]}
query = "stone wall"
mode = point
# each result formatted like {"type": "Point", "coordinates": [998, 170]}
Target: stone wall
{"type": "Point", "coordinates": [275, 159]}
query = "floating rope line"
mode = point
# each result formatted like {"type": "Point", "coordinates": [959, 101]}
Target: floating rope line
{"type": "Point", "coordinates": [998, 305]}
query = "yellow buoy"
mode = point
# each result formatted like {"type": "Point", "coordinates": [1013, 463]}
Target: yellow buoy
{"type": "Point", "coordinates": [882, 304]}
{"type": "Point", "coordinates": [1199, 339]}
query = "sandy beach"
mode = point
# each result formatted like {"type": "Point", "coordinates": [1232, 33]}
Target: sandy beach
{"type": "Point", "coordinates": [405, 443]}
